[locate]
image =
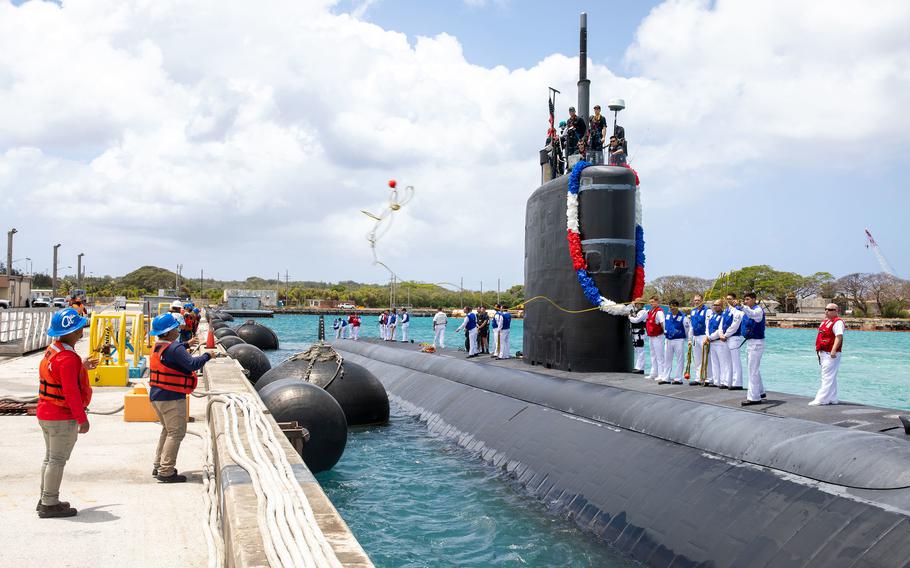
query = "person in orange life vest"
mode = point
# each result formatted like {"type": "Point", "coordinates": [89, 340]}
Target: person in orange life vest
{"type": "Point", "coordinates": [354, 320]}
{"type": "Point", "coordinates": [63, 395]}
{"type": "Point", "coordinates": [828, 345]}
{"type": "Point", "coordinates": [187, 330]}
{"type": "Point", "coordinates": [654, 327]}
{"type": "Point", "coordinates": [172, 375]}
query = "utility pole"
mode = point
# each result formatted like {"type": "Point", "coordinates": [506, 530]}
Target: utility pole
{"type": "Point", "coordinates": [286, 297]}
{"type": "Point", "coordinates": [9, 251]}
{"type": "Point", "coordinates": [177, 280]}
{"type": "Point", "coordinates": [481, 293]}
{"type": "Point", "coordinates": [497, 291]}
{"type": "Point", "coordinates": [461, 295]}
{"type": "Point", "coordinates": [79, 270]}
{"type": "Point", "coordinates": [201, 283]}
{"type": "Point", "coordinates": [54, 278]}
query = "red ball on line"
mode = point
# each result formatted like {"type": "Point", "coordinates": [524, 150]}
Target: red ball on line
{"type": "Point", "coordinates": [392, 183]}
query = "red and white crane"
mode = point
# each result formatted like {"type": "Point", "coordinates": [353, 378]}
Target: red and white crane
{"type": "Point", "coordinates": [870, 243]}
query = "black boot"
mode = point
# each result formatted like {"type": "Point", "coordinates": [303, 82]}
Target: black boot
{"type": "Point", "coordinates": [173, 478]}
{"type": "Point", "coordinates": [58, 511]}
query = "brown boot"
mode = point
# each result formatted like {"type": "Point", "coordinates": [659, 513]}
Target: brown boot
{"type": "Point", "coordinates": [57, 511]}
{"type": "Point", "coordinates": [64, 503]}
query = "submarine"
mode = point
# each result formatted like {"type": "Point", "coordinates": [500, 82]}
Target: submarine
{"type": "Point", "coordinates": [669, 475]}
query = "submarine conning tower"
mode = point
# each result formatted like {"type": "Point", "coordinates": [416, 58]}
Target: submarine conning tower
{"type": "Point", "coordinates": [590, 341]}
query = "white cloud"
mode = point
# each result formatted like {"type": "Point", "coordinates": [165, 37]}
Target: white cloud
{"type": "Point", "coordinates": [268, 127]}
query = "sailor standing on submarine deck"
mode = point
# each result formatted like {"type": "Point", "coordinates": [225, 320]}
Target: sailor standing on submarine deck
{"type": "Point", "coordinates": [439, 329]}
{"type": "Point", "coordinates": [731, 333]}
{"type": "Point", "coordinates": [697, 332]}
{"type": "Point", "coordinates": [470, 325]}
{"type": "Point", "coordinates": [505, 328]}
{"type": "Point", "coordinates": [405, 324]}
{"type": "Point", "coordinates": [676, 326]}
{"type": "Point", "coordinates": [720, 355]}
{"type": "Point", "coordinates": [828, 345]}
{"type": "Point", "coordinates": [638, 335]}
{"type": "Point", "coordinates": [654, 327]}
{"type": "Point", "coordinates": [754, 332]}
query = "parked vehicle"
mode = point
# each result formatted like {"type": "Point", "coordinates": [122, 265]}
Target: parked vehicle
{"type": "Point", "coordinates": [346, 306]}
{"type": "Point", "coordinates": [120, 303]}
{"type": "Point", "coordinates": [60, 302]}
{"type": "Point", "coordinates": [4, 304]}
{"type": "Point", "coordinates": [41, 302]}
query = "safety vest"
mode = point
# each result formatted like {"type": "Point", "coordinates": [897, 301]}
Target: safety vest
{"type": "Point", "coordinates": [727, 321]}
{"type": "Point", "coordinates": [653, 328]}
{"type": "Point", "coordinates": [675, 325]}
{"type": "Point", "coordinates": [164, 377]}
{"type": "Point", "coordinates": [51, 389]}
{"type": "Point", "coordinates": [355, 321]}
{"type": "Point", "coordinates": [493, 323]}
{"type": "Point", "coordinates": [189, 318]}
{"type": "Point", "coordinates": [698, 319]}
{"type": "Point", "coordinates": [506, 320]}
{"type": "Point", "coordinates": [472, 321]}
{"type": "Point", "coordinates": [405, 318]}
{"type": "Point", "coordinates": [825, 339]}
{"type": "Point", "coordinates": [754, 329]}
{"type": "Point", "coordinates": [714, 323]}
{"type": "Point", "coordinates": [383, 319]}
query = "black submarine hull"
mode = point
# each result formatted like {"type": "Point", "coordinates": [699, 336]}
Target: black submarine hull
{"type": "Point", "coordinates": [668, 482]}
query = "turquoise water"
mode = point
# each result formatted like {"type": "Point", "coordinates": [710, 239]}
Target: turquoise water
{"type": "Point", "coordinates": [413, 499]}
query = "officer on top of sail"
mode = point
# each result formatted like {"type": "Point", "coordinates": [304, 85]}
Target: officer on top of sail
{"type": "Point", "coordinates": [575, 131]}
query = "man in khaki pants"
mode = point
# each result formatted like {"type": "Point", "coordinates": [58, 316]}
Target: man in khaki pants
{"type": "Point", "coordinates": [172, 376]}
{"type": "Point", "coordinates": [63, 395]}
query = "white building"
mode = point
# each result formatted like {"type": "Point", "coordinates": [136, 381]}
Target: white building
{"type": "Point", "coordinates": [267, 298]}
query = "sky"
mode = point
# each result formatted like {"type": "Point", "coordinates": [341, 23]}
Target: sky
{"type": "Point", "coordinates": [246, 138]}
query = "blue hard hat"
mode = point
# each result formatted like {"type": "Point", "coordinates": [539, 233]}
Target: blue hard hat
{"type": "Point", "coordinates": [163, 324]}
{"type": "Point", "coordinates": [562, 123]}
{"type": "Point", "coordinates": [188, 305]}
{"type": "Point", "coordinates": [66, 321]}
{"type": "Point", "coordinates": [196, 310]}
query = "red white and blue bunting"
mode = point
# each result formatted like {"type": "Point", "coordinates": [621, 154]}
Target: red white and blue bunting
{"type": "Point", "coordinates": [573, 235]}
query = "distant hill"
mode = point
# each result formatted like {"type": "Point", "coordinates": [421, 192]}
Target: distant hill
{"type": "Point", "coordinates": [148, 278]}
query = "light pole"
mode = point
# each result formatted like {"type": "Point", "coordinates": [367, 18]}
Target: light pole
{"type": "Point", "coordinates": [9, 251]}
{"type": "Point", "coordinates": [79, 270]}
{"type": "Point", "coordinates": [54, 277]}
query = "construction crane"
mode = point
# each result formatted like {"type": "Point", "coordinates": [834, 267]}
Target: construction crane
{"type": "Point", "coordinates": [870, 243]}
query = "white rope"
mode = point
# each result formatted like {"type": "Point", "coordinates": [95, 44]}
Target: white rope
{"type": "Point", "coordinates": [287, 524]}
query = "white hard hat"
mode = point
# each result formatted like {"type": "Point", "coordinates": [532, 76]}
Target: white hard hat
{"type": "Point", "coordinates": [176, 304]}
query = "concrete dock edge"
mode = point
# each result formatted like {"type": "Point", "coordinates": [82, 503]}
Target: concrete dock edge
{"type": "Point", "coordinates": [238, 502]}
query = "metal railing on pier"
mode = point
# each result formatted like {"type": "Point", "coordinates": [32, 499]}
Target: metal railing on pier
{"type": "Point", "coordinates": [24, 329]}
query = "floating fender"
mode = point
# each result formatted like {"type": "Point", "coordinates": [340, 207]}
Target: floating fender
{"type": "Point", "coordinates": [212, 320]}
{"type": "Point", "coordinates": [258, 335]}
{"type": "Point", "coordinates": [224, 332]}
{"type": "Point", "coordinates": [218, 325]}
{"type": "Point", "coordinates": [231, 340]}
{"type": "Point", "coordinates": [292, 400]}
{"type": "Point", "coordinates": [251, 359]}
{"type": "Point", "coordinates": [224, 316]}
{"type": "Point", "coordinates": [361, 395]}
{"type": "Point", "coordinates": [290, 369]}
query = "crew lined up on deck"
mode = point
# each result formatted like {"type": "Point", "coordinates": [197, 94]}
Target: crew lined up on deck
{"type": "Point", "coordinates": [715, 338]}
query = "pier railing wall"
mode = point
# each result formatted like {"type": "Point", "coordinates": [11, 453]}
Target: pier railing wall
{"type": "Point", "coordinates": [23, 330]}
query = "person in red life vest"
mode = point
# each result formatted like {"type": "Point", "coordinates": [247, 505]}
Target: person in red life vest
{"type": "Point", "coordinates": [63, 395]}
{"type": "Point", "coordinates": [188, 329]}
{"type": "Point", "coordinates": [354, 320]}
{"type": "Point", "coordinates": [172, 376]}
{"type": "Point", "coordinates": [828, 344]}
{"type": "Point", "coordinates": [654, 327]}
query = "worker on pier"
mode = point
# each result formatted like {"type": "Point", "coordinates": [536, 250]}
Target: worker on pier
{"type": "Point", "coordinates": [440, 321]}
{"type": "Point", "coordinates": [828, 345]}
{"type": "Point", "coordinates": [188, 329]}
{"type": "Point", "coordinates": [720, 355]}
{"type": "Point", "coordinates": [654, 327]}
{"type": "Point", "coordinates": [405, 324]}
{"type": "Point", "coordinates": [470, 326]}
{"type": "Point", "coordinates": [754, 333]}
{"type": "Point", "coordinates": [675, 331]}
{"type": "Point", "coordinates": [63, 395]}
{"type": "Point", "coordinates": [698, 317]}
{"type": "Point", "coordinates": [638, 335]}
{"type": "Point", "coordinates": [172, 376]}
{"type": "Point", "coordinates": [505, 328]}
{"type": "Point", "coordinates": [732, 335]}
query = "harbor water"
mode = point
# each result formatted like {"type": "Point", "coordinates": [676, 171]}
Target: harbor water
{"type": "Point", "coordinates": [413, 499]}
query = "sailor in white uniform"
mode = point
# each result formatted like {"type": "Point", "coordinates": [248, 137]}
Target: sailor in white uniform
{"type": "Point", "coordinates": [439, 329]}
{"type": "Point", "coordinates": [754, 332]}
{"type": "Point", "coordinates": [828, 346]}
{"type": "Point", "coordinates": [505, 328]}
{"type": "Point", "coordinates": [470, 324]}
{"type": "Point", "coordinates": [638, 335]}
{"type": "Point", "coordinates": [654, 327]}
{"type": "Point", "coordinates": [405, 322]}
{"type": "Point", "coordinates": [732, 334]}
{"type": "Point", "coordinates": [336, 325]}
{"type": "Point", "coordinates": [720, 355]}
{"type": "Point", "coordinates": [675, 330]}
{"type": "Point", "coordinates": [698, 320]}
